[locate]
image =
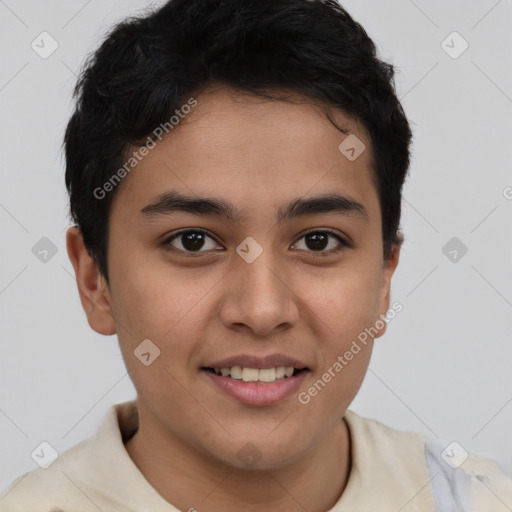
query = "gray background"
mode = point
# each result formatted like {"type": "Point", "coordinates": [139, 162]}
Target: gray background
{"type": "Point", "coordinates": [443, 368]}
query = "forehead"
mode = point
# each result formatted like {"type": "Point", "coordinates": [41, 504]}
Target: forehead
{"type": "Point", "coordinates": [277, 121]}
{"type": "Point", "coordinates": [254, 150]}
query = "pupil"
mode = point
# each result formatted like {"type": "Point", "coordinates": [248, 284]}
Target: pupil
{"type": "Point", "coordinates": [319, 241]}
{"type": "Point", "coordinates": [193, 241]}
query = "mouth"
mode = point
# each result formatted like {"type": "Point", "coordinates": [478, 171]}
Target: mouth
{"type": "Point", "coordinates": [256, 381]}
{"type": "Point", "coordinates": [256, 375]}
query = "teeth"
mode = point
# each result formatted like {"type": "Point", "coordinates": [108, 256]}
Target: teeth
{"type": "Point", "coordinates": [267, 375]}
{"type": "Point", "coordinates": [255, 374]}
{"type": "Point", "coordinates": [250, 374]}
{"type": "Point", "coordinates": [236, 372]}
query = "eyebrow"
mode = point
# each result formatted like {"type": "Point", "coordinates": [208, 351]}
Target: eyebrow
{"type": "Point", "coordinates": [173, 201]}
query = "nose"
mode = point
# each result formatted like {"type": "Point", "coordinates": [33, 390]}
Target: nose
{"type": "Point", "coordinates": [258, 297]}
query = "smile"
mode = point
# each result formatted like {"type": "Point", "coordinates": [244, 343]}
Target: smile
{"type": "Point", "coordinates": [263, 375]}
{"type": "Point", "coordinates": [256, 387]}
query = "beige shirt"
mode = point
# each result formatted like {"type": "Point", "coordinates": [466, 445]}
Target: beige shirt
{"type": "Point", "coordinates": [392, 470]}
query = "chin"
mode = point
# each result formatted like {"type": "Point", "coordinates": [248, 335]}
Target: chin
{"type": "Point", "coordinates": [258, 455]}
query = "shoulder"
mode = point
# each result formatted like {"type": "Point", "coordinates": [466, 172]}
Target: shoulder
{"type": "Point", "coordinates": [475, 483]}
{"type": "Point", "coordinates": [50, 489]}
{"type": "Point", "coordinates": [87, 476]}
{"type": "Point", "coordinates": [459, 481]}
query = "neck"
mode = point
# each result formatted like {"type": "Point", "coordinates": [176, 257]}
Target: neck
{"type": "Point", "coordinates": [192, 481]}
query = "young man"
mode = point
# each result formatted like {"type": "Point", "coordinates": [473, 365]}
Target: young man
{"type": "Point", "coordinates": [235, 171]}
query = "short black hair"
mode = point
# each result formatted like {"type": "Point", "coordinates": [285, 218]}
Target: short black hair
{"type": "Point", "coordinates": [148, 66]}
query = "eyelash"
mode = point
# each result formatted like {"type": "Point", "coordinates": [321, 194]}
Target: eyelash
{"type": "Point", "coordinates": [166, 243]}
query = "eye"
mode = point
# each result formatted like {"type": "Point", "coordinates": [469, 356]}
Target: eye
{"type": "Point", "coordinates": [190, 241]}
{"type": "Point", "coordinates": [317, 241]}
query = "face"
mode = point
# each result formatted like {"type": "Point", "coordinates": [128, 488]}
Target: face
{"type": "Point", "coordinates": [266, 284]}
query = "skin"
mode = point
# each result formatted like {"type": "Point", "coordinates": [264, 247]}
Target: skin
{"type": "Point", "coordinates": [258, 154]}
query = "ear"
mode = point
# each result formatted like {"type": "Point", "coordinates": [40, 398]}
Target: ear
{"type": "Point", "coordinates": [385, 288]}
{"type": "Point", "coordinates": [92, 286]}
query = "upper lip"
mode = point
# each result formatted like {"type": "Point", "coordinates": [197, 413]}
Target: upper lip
{"type": "Point", "coordinates": [250, 361]}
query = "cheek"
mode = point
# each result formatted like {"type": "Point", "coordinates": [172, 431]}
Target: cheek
{"type": "Point", "coordinates": [345, 300]}
{"type": "Point", "coordinates": [343, 308]}
{"type": "Point", "coordinates": [156, 301]}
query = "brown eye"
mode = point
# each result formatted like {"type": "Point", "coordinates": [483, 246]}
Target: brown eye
{"type": "Point", "coordinates": [318, 241]}
{"type": "Point", "coordinates": [191, 240]}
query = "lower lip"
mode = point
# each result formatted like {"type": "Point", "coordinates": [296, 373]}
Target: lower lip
{"type": "Point", "coordinates": [252, 393]}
